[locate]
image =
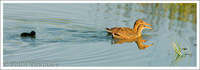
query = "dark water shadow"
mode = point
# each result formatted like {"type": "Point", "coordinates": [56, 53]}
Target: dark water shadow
{"type": "Point", "coordinates": [30, 39]}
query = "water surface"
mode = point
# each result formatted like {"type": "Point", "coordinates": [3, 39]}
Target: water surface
{"type": "Point", "coordinates": [74, 34]}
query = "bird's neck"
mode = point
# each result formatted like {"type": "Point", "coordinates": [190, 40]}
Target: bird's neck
{"type": "Point", "coordinates": [135, 28]}
{"type": "Point", "coordinates": [139, 31]}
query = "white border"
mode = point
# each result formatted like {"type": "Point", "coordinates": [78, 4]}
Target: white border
{"type": "Point", "coordinates": [1, 35]}
{"type": "Point", "coordinates": [198, 34]}
{"type": "Point", "coordinates": [100, 2]}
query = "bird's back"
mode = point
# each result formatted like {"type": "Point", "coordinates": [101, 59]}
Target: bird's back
{"type": "Point", "coordinates": [120, 30]}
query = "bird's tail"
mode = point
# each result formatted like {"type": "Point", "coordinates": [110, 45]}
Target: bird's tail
{"type": "Point", "coordinates": [108, 30]}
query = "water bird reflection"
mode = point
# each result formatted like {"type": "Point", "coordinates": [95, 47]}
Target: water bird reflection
{"type": "Point", "coordinates": [139, 41]}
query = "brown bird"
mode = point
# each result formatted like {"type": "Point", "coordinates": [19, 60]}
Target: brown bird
{"type": "Point", "coordinates": [124, 29]}
{"type": "Point", "coordinates": [129, 33]}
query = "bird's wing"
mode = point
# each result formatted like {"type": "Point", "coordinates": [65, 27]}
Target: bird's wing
{"type": "Point", "coordinates": [125, 31]}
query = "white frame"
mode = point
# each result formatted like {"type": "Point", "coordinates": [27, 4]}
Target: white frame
{"type": "Point", "coordinates": [2, 2]}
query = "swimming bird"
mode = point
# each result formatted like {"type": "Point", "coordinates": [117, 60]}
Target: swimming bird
{"type": "Point", "coordinates": [125, 29]}
{"type": "Point", "coordinates": [129, 33]}
{"type": "Point", "coordinates": [32, 33]}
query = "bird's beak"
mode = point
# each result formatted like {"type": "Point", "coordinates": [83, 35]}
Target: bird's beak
{"type": "Point", "coordinates": [147, 24]}
{"type": "Point", "coordinates": [148, 27]}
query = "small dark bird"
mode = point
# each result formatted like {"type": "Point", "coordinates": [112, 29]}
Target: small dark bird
{"type": "Point", "coordinates": [32, 33]}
